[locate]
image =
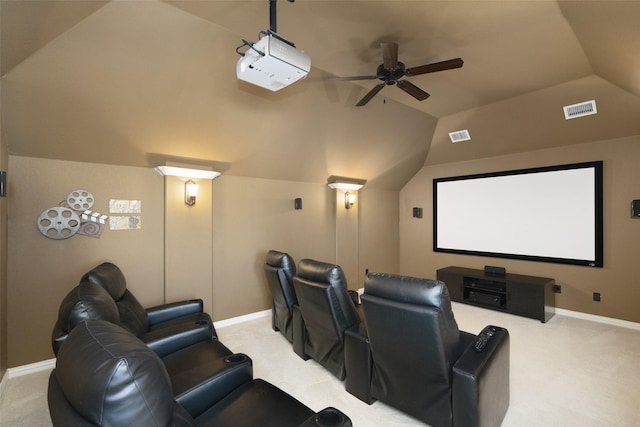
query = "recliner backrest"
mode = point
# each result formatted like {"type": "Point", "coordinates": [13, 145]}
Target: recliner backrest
{"type": "Point", "coordinates": [414, 341]}
{"type": "Point", "coordinates": [84, 302]}
{"type": "Point", "coordinates": [133, 316]}
{"type": "Point", "coordinates": [107, 377]}
{"type": "Point", "coordinates": [279, 270]}
{"type": "Point", "coordinates": [327, 310]}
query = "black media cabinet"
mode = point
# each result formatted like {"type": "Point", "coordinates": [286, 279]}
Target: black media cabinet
{"type": "Point", "coordinates": [527, 296]}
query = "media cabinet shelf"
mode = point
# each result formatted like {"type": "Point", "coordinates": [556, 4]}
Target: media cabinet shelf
{"type": "Point", "coordinates": [527, 296]}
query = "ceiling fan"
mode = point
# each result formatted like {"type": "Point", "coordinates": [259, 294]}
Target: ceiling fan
{"type": "Point", "coordinates": [391, 71]}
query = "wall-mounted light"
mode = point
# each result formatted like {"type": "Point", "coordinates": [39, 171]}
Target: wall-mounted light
{"type": "Point", "coordinates": [349, 200]}
{"type": "Point", "coordinates": [190, 192]}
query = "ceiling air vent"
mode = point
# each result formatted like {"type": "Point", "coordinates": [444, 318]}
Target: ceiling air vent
{"type": "Point", "coordinates": [459, 136]}
{"type": "Point", "coordinates": [580, 110]}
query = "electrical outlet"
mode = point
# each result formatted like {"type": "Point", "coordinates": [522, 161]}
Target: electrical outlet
{"type": "Point", "coordinates": [557, 289]}
{"type": "Point", "coordinates": [596, 296]}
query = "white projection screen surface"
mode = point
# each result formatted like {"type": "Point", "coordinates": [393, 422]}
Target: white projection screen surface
{"type": "Point", "coordinates": [550, 214]}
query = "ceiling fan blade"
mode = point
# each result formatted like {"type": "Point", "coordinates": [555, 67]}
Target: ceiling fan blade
{"type": "Point", "coordinates": [377, 88]}
{"type": "Point", "coordinates": [436, 66]}
{"type": "Point", "coordinates": [412, 90]}
{"type": "Point", "coordinates": [389, 55]}
{"type": "Point", "coordinates": [351, 78]}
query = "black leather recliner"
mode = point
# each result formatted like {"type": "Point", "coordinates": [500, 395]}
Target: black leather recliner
{"type": "Point", "coordinates": [196, 364]}
{"type": "Point", "coordinates": [105, 376]}
{"type": "Point", "coordinates": [88, 301]}
{"type": "Point", "coordinates": [153, 322]}
{"type": "Point", "coordinates": [326, 312]}
{"type": "Point", "coordinates": [423, 364]}
{"type": "Point", "coordinates": [279, 269]}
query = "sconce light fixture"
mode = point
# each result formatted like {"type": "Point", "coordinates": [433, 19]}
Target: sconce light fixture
{"type": "Point", "coordinates": [190, 192]}
{"type": "Point", "coordinates": [349, 200]}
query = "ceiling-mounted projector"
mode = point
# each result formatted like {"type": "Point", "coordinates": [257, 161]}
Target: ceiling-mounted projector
{"type": "Point", "coordinates": [273, 63]}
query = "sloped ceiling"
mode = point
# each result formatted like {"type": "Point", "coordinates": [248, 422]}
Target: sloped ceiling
{"type": "Point", "coordinates": [142, 82]}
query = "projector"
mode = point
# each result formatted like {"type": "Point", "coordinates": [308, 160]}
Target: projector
{"type": "Point", "coordinates": [272, 63]}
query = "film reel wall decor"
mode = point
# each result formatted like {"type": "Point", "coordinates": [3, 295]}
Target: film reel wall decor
{"type": "Point", "coordinates": [62, 222]}
{"type": "Point", "coordinates": [80, 200]}
{"type": "Point", "coordinates": [58, 223]}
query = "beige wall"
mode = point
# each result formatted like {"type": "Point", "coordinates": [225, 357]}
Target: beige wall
{"type": "Point", "coordinates": [617, 281]}
{"type": "Point", "coordinates": [42, 270]}
{"type": "Point", "coordinates": [251, 216]}
{"type": "Point", "coordinates": [3, 254]}
{"type": "Point", "coordinates": [214, 250]}
{"type": "Point", "coordinates": [379, 233]}
{"type": "Point", "coordinates": [188, 243]}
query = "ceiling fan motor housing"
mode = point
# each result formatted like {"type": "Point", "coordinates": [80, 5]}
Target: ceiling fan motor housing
{"type": "Point", "coordinates": [390, 76]}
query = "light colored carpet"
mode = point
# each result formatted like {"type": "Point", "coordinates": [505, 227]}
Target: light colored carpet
{"type": "Point", "coordinates": [567, 372]}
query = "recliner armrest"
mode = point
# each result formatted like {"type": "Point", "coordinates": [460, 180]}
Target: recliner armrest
{"type": "Point", "coordinates": [182, 335]}
{"type": "Point", "coordinates": [328, 417]}
{"type": "Point", "coordinates": [162, 313]}
{"type": "Point", "coordinates": [216, 379]}
{"type": "Point", "coordinates": [481, 382]}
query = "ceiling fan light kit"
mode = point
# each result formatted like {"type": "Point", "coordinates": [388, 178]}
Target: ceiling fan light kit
{"type": "Point", "coordinates": [391, 71]}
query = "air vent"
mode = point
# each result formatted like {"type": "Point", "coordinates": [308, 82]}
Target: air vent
{"type": "Point", "coordinates": [459, 136]}
{"type": "Point", "coordinates": [580, 110]}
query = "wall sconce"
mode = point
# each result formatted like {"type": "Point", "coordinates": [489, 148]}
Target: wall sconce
{"type": "Point", "coordinates": [349, 200]}
{"type": "Point", "coordinates": [190, 192]}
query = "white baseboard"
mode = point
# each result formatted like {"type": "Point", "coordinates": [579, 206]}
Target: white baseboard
{"type": "Point", "coordinates": [31, 368]}
{"type": "Point", "coordinates": [240, 319]}
{"type": "Point", "coordinates": [25, 370]}
{"type": "Point", "coordinates": [599, 319]}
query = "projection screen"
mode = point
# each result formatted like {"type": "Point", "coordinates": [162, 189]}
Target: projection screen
{"type": "Point", "coordinates": [547, 214]}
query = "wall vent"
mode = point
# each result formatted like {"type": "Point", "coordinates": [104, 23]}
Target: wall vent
{"type": "Point", "coordinates": [459, 136]}
{"type": "Point", "coordinates": [580, 110]}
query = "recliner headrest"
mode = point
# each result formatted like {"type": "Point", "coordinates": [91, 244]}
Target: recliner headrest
{"type": "Point", "coordinates": [112, 378]}
{"type": "Point", "coordinates": [407, 289]}
{"type": "Point", "coordinates": [87, 301]}
{"type": "Point", "coordinates": [317, 271]}
{"type": "Point", "coordinates": [110, 277]}
{"type": "Point", "coordinates": [282, 260]}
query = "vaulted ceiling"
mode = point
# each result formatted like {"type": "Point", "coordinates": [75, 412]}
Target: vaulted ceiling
{"type": "Point", "coordinates": [143, 82]}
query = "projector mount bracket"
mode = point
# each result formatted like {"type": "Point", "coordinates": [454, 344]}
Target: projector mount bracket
{"type": "Point", "coordinates": [272, 31]}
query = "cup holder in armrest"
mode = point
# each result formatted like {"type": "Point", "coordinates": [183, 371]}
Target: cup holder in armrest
{"type": "Point", "coordinates": [201, 322]}
{"type": "Point", "coordinates": [328, 417]}
{"type": "Point", "coordinates": [236, 358]}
